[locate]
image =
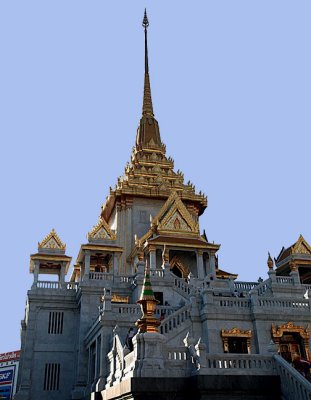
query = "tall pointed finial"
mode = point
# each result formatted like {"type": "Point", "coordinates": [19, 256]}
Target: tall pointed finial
{"type": "Point", "coordinates": [145, 25]}
{"type": "Point", "coordinates": [147, 102]}
{"type": "Point", "coordinates": [148, 133]}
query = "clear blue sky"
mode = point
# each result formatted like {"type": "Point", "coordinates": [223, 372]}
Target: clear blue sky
{"type": "Point", "coordinates": [231, 90]}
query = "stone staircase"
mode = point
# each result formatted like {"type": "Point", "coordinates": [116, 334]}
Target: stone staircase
{"type": "Point", "coordinates": [176, 324]}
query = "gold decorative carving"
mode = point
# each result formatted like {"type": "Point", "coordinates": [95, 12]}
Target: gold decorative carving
{"type": "Point", "coordinates": [176, 262]}
{"type": "Point", "coordinates": [52, 241]}
{"type": "Point", "coordinates": [119, 299]}
{"type": "Point", "coordinates": [301, 246]}
{"type": "Point", "coordinates": [101, 231]}
{"type": "Point", "coordinates": [236, 333]}
{"type": "Point", "coordinates": [290, 327]}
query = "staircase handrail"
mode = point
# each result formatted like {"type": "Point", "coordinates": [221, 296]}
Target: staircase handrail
{"type": "Point", "coordinates": [293, 384]}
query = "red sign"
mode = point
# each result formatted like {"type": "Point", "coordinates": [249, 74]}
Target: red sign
{"type": "Point", "coordinates": [11, 356]}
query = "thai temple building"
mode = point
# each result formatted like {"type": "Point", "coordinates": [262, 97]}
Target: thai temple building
{"type": "Point", "coordinates": [148, 313]}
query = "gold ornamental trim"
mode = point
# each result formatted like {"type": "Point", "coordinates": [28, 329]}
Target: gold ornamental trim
{"type": "Point", "coordinates": [301, 246]}
{"type": "Point", "coordinates": [236, 332]}
{"type": "Point", "coordinates": [278, 332]}
{"type": "Point", "coordinates": [119, 299]}
{"type": "Point", "coordinates": [52, 241]}
{"type": "Point", "coordinates": [101, 231]}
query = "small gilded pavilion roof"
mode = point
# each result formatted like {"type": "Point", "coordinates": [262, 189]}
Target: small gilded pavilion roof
{"type": "Point", "coordinates": [51, 242]}
{"type": "Point", "coordinates": [301, 246]}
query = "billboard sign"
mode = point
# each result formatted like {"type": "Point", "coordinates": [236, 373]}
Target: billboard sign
{"type": "Point", "coordinates": [6, 382]}
{"type": "Point", "coordinates": [8, 374]}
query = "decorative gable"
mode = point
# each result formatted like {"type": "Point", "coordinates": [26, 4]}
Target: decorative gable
{"type": "Point", "coordinates": [174, 216]}
{"type": "Point", "coordinates": [301, 246]}
{"type": "Point", "coordinates": [176, 222]}
{"type": "Point", "coordinates": [101, 231]}
{"type": "Point", "coordinates": [52, 242]}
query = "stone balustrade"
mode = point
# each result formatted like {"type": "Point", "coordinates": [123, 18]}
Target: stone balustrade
{"type": "Point", "coordinates": [178, 354]}
{"type": "Point", "coordinates": [236, 302]}
{"type": "Point", "coordinates": [245, 286]}
{"type": "Point", "coordinates": [48, 285]}
{"type": "Point", "coordinates": [157, 273]}
{"type": "Point", "coordinates": [101, 276]}
{"type": "Point", "coordinates": [262, 288]}
{"type": "Point", "coordinates": [174, 321]}
{"type": "Point", "coordinates": [231, 364]}
{"type": "Point", "coordinates": [125, 279]}
{"type": "Point", "coordinates": [72, 285]}
{"type": "Point", "coordinates": [272, 302]}
{"type": "Point", "coordinates": [182, 286]}
{"type": "Point", "coordinates": [293, 384]}
{"type": "Point", "coordinates": [57, 285]}
{"type": "Point", "coordinates": [287, 280]}
{"type": "Point", "coordinates": [126, 309]}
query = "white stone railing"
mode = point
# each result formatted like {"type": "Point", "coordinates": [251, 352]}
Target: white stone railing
{"type": "Point", "coordinates": [178, 354]}
{"type": "Point", "coordinates": [165, 311]}
{"type": "Point", "coordinates": [157, 273]}
{"type": "Point", "coordinates": [126, 308]}
{"type": "Point", "coordinates": [174, 321]}
{"type": "Point", "coordinates": [57, 285]}
{"type": "Point", "coordinates": [255, 364]}
{"type": "Point", "coordinates": [236, 302]}
{"type": "Point", "coordinates": [306, 287]}
{"type": "Point", "coordinates": [293, 384]}
{"type": "Point", "coordinates": [48, 285]}
{"type": "Point", "coordinates": [245, 286]}
{"type": "Point", "coordinates": [262, 288]}
{"type": "Point", "coordinates": [101, 276]}
{"type": "Point", "coordinates": [125, 279]}
{"type": "Point", "coordinates": [283, 303]}
{"type": "Point", "coordinates": [72, 285]}
{"type": "Point", "coordinates": [182, 286]}
{"type": "Point", "coordinates": [285, 280]}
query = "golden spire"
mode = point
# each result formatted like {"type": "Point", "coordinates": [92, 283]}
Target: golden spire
{"type": "Point", "coordinates": [148, 134]}
{"type": "Point", "coordinates": [148, 302]}
{"type": "Point", "coordinates": [147, 101]}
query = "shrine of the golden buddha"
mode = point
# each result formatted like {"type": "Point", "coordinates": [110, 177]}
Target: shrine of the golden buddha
{"type": "Point", "coordinates": [197, 331]}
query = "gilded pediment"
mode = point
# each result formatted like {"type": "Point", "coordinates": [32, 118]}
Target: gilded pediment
{"type": "Point", "coordinates": [101, 231]}
{"type": "Point", "coordinates": [301, 246]}
{"type": "Point", "coordinates": [174, 216]}
{"type": "Point", "coordinates": [176, 222]}
{"type": "Point", "coordinates": [52, 242]}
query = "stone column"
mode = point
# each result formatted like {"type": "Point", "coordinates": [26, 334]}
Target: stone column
{"type": "Point", "coordinates": [140, 263]}
{"type": "Point", "coordinates": [200, 266]}
{"type": "Point", "coordinates": [100, 385]}
{"type": "Point", "coordinates": [87, 262]}
{"type": "Point", "coordinates": [272, 275]}
{"type": "Point", "coordinates": [212, 263]}
{"type": "Point", "coordinates": [152, 255]}
{"type": "Point", "coordinates": [62, 275]}
{"type": "Point", "coordinates": [36, 273]}
{"type": "Point", "coordinates": [115, 264]}
{"type": "Point", "coordinates": [294, 273]}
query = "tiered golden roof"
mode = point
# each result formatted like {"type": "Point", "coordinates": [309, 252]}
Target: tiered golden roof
{"type": "Point", "coordinates": [150, 172]}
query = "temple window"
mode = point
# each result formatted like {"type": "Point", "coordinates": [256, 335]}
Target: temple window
{"type": "Point", "coordinates": [291, 340]}
{"type": "Point", "coordinates": [236, 340]}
